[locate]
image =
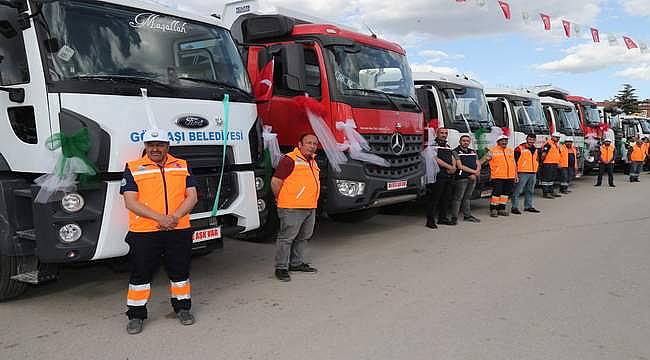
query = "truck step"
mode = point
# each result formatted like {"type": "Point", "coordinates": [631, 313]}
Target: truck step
{"type": "Point", "coordinates": [35, 277]}
{"type": "Point", "coordinates": [29, 234]}
{"type": "Point", "coordinates": [23, 192]}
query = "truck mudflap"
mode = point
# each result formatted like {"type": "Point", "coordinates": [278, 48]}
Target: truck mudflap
{"type": "Point", "coordinates": [377, 192]}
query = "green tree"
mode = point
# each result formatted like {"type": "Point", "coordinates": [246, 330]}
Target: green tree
{"type": "Point", "coordinates": [627, 99]}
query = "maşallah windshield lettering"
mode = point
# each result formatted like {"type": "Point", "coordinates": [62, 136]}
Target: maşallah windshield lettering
{"type": "Point", "coordinates": [156, 22]}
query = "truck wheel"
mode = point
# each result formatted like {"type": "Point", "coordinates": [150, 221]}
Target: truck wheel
{"type": "Point", "coordinates": [9, 266]}
{"type": "Point", "coordinates": [354, 217]}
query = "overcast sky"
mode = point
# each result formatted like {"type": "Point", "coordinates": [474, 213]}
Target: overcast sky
{"type": "Point", "coordinates": [445, 36]}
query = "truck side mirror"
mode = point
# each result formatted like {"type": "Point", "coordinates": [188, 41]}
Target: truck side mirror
{"type": "Point", "coordinates": [498, 112]}
{"type": "Point", "coordinates": [293, 73]}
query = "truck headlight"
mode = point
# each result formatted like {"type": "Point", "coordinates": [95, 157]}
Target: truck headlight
{"type": "Point", "coordinates": [259, 183]}
{"type": "Point", "coordinates": [350, 188]}
{"type": "Point", "coordinates": [70, 233]}
{"type": "Point", "coordinates": [73, 202]}
{"type": "Point", "coordinates": [261, 205]}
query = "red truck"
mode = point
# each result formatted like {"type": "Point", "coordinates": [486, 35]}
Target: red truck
{"type": "Point", "coordinates": [351, 76]}
{"type": "Point", "coordinates": [593, 126]}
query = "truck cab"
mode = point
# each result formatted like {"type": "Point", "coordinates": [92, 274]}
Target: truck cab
{"type": "Point", "coordinates": [519, 112]}
{"type": "Point", "coordinates": [595, 128]}
{"type": "Point", "coordinates": [352, 76]}
{"type": "Point", "coordinates": [458, 104]}
{"type": "Point", "coordinates": [75, 66]}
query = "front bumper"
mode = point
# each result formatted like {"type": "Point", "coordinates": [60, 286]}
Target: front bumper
{"type": "Point", "coordinates": [376, 192]}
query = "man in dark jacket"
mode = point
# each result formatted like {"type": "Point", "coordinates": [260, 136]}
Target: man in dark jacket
{"type": "Point", "coordinates": [442, 190]}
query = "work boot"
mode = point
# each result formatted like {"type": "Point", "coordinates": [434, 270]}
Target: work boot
{"type": "Point", "coordinates": [515, 211]}
{"type": "Point", "coordinates": [556, 195]}
{"type": "Point", "coordinates": [532, 210]}
{"type": "Point", "coordinates": [134, 326]}
{"type": "Point", "coordinates": [471, 219]}
{"type": "Point", "coordinates": [494, 213]}
{"type": "Point", "coordinates": [185, 317]}
{"type": "Point", "coordinates": [444, 222]}
{"type": "Point", "coordinates": [598, 184]}
{"type": "Point", "coordinates": [454, 221]}
{"type": "Point", "coordinates": [612, 185]}
{"type": "Point", "coordinates": [282, 275]}
{"type": "Point", "coordinates": [503, 213]}
{"type": "Point", "coordinates": [303, 268]}
{"type": "Point", "coordinates": [431, 224]}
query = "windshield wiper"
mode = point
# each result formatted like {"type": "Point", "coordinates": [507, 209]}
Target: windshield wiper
{"type": "Point", "coordinates": [220, 84]}
{"type": "Point", "coordinates": [126, 79]}
{"type": "Point", "coordinates": [372, 91]}
{"type": "Point", "coordinates": [417, 105]}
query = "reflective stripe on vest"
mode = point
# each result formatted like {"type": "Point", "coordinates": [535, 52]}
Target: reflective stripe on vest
{"type": "Point", "coordinates": [606, 153]}
{"type": "Point", "coordinates": [564, 156]}
{"type": "Point", "coordinates": [302, 188]}
{"type": "Point", "coordinates": [553, 155]}
{"type": "Point", "coordinates": [639, 153]}
{"type": "Point", "coordinates": [502, 164]}
{"type": "Point", "coordinates": [160, 188]}
{"type": "Point", "coordinates": [528, 162]}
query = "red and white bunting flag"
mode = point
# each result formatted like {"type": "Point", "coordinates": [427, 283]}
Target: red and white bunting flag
{"type": "Point", "coordinates": [595, 34]}
{"type": "Point", "coordinates": [630, 43]}
{"type": "Point", "coordinates": [567, 28]}
{"type": "Point", "coordinates": [263, 89]}
{"type": "Point", "coordinates": [546, 19]}
{"type": "Point", "coordinates": [505, 7]}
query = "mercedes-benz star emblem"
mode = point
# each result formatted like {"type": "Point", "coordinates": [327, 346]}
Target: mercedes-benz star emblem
{"type": "Point", "coordinates": [397, 143]}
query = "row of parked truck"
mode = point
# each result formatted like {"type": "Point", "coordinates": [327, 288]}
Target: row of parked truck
{"type": "Point", "coordinates": [71, 65]}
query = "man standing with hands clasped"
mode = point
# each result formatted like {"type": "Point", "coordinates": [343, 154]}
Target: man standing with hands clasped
{"type": "Point", "coordinates": [606, 157]}
{"type": "Point", "coordinates": [469, 171]}
{"type": "Point", "coordinates": [296, 186]}
{"type": "Point", "coordinates": [442, 190]}
{"type": "Point", "coordinates": [527, 158]}
{"type": "Point", "coordinates": [159, 192]}
{"type": "Point", "coordinates": [503, 171]}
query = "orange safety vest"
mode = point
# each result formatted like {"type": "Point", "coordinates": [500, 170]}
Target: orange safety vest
{"type": "Point", "coordinates": [160, 188]}
{"type": "Point", "coordinates": [502, 164]}
{"type": "Point", "coordinates": [639, 153]}
{"type": "Point", "coordinates": [564, 156]}
{"type": "Point", "coordinates": [302, 188]}
{"type": "Point", "coordinates": [606, 153]}
{"type": "Point", "coordinates": [528, 162]}
{"type": "Point", "coordinates": [553, 155]}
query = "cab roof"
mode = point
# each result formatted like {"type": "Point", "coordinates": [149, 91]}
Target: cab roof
{"type": "Point", "coordinates": [580, 99]}
{"type": "Point", "coordinates": [547, 100]}
{"type": "Point", "coordinates": [433, 78]}
{"type": "Point", "coordinates": [508, 92]}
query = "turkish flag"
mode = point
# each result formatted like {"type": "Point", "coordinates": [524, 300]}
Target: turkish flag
{"type": "Point", "coordinates": [263, 88]}
{"type": "Point", "coordinates": [630, 43]}
{"type": "Point", "coordinates": [546, 19]}
{"type": "Point", "coordinates": [595, 34]}
{"type": "Point", "coordinates": [567, 28]}
{"type": "Point", "coordinates": [505, 7]}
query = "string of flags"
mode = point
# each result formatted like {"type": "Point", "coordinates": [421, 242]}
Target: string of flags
{"type": "Point", "coordinates": [571, 29]}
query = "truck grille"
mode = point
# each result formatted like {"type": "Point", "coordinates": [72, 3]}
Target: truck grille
{"type": "Point", "coordinates": [408, 163]}
{"type": "Point", "coordinates": [207, 191]}
{"type": "Point", "coordinates": [203, 156]}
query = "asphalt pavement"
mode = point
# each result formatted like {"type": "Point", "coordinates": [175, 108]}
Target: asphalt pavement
{"type": "Point", "coordinates": [570, 283]}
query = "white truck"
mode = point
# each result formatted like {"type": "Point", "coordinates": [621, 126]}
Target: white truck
{"type": "Point", "coordinates": [79, 64]}
{"type": "Point", "coordinates": [562, 117]}
{"type": "Point", "coordinates": [457, 103]}
{"type": "Point", "coordinates": [520, 112]}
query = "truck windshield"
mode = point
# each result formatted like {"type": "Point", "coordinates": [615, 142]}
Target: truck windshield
{"type": "Point", "coordinates": [569, 119]}
{"type": "Point", "coordinates": [364, 67]}
{"type": "Point", "coordinates": [468, 107]}
{"type": "Point", "coordinates": [88, 41]}
{"type": "Point", "coordinates": [645, 126]}
{"type": "Point", "coordinates": [592, 115]}
{"type": "Point", "coordinates": [529, 114]}
{"type": "Point", "coordinates": [13, 59]}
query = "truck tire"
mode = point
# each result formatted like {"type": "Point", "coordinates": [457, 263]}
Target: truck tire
{"type": "Point", "coordinates": [9, 266]}
{"type": "Point", "coordinates": [354, 217]}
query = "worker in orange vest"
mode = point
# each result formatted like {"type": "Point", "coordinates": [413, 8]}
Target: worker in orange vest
{"type": "Point", "coordinates": [637, 155]}
{"type": "Point", "coordinates": [296, 186]}
{"type": "Point", "coordinates": [503, 172]}
{"type": "Point", "coordinates": [568, 164]}
{"type": "Point", "coordinates": [550, 164]}
{"type": "Point", "coordinates": [159, 191]}
{"type": "Point", "coordinates": [646, 143]}
{"type": "Point", "coordinates": [606, 156]}
{"type": "Point", "coordinates": [527, 157]}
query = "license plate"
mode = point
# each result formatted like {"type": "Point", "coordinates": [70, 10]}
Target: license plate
{"type": "Point", "coordinates": [486, 193]}
{"type": "Point", "coordinates": [206, 234]}
{"type": "Point", "coordinates": [396, 185]}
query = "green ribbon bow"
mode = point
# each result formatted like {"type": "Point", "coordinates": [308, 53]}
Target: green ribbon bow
{"type": "Point", "coordinates": [479, 135]}
{"type": "Point", "coordinates": [75, 146]}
